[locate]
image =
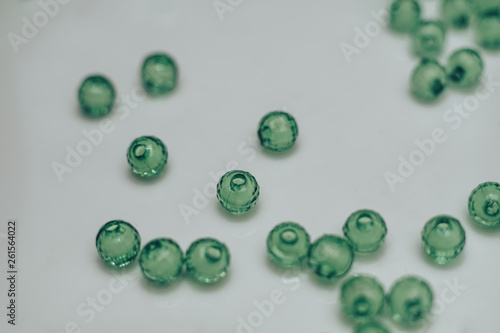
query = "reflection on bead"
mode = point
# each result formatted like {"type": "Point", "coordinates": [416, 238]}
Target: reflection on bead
{"type": "Point", "coordinates": [443, 238]}
{"type": "Point", "coordinates": [96, 96]}
{"type": "Point", "coordinates": [365, 230]}
{"type": "Point", "coordinates": [147, 156]}
{"type": "Point", "coordinates": [484, 204]}
{"type": "Point", "coordinates": [288, 244]}
{"type": "Point", "coordinates": [428, 39]}
{"type": "Point", "coordinates": [330, 257]}
{"type": "Point", "coordinates": [118, 243]}
{"type": "Point", "coordinates": [464, 68]}
{"type": "Point", "coordinates": [277, 131]}
{"type": "Point", "coordinates": [404, 15]}
{"type": "Point", "coordinates": [237, 191]}
{"type": "Point", "coordinates": [487, 30]}
{"type": "Point", "coordinates": [428, 80]}
{"type": "Point", "coordinates": [362, 297]}
{"type": "Point", "coordinates": [207, 260]}
{"type": "Point", "coordinates": [456, 13]}
{"type": "Point", "coordinates": [410, 300]}
{"type": "Point", "coordinates": [159, 74]}
{"type": "Point", "coordinates": [161, 260]}
{"type": "Point", "coordinates": [371, 327]}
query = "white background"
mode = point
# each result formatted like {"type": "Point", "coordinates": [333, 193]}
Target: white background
{"type": "Point", "coordinates": [355, 119]}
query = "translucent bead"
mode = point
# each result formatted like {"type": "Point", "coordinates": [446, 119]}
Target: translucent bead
{"type": "Point", "coordinates": [456, 13]}
{"type": "Point", "coordinates": [118, 243]}
{"type": "Point", "coordinates": [330, 257]}
{"type": "Point", "coordinates": [487, 31]}
{"type": "Point", "coordinates": [371, 327]}
{"type": "Point", "coordinates": [362, 297]}
{"type": "Point", "coordinates": [428, 39]}
{"type": "Point", "coordinates": [410, 300]}
{"type": "Point", "coordinates": [147, 156]}
{"type": "Point", "coordinates": [207, 260]}
{"type": "Point", "coordinates": [464, 68]}
{"type": "Point", "coordinates": [159, 74]}
{"type": "Point", "coordinates": [288, 244]}
{"type": "Point", "coordinates": [237, 191]}
{"type": "Point", "coordinates": [161, 260]}
{"type": "Point", "coordinates": [96, 96]}
{"type": "Point", "coordinates": [277, 131]}
{"type": "Point", "coordinates": [365, 230]}
{"type": "Point", "coordinates": [404, 15]}
{"type": "Point", "coordinates": [428, 80]}
{"type": "Point", "coordinates": [443, 238]}
{"type": "Point", "coordinates": [484, 204]}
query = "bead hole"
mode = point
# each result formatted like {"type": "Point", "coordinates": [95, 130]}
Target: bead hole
{"type": "Point", "coordinates": [141, 151]}
{"type": "Point", "coordinates": [364, 222]}
{"type": "Point", "coordinates": [238, 182]}
{"type": "Point", "coordinates": [289, 236]}
{"type": "Point", "coordinates": [491, 207]}
{"type": "Point", "coordinates": [213, 253]}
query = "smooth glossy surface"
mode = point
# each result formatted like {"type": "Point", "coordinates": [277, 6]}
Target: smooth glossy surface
{"type": "Point", "coordinates": [277, 131]}
{"type": "Point", "coordinates": [484, 204]}
{"type": "Point", "coordinates": [96, 96]}
{"type": "Point", "coordinates": [443, 238]}
{"type": "Point", "coordinates": [428, 80]}
{"type": "Point", "coordinates": [147, 156]}
{"type": "Point", "coordinates": [464, 68]}
{"type": "Point", "coordinates": [404, 15]}
{"type": "Point", "coordinates": [456, 13]}
{"type": "Point", "coordinates": [428, 39]}
{"type": "Point", "coordinates": [330, 257]}
{"type": "Point", "coordinates": [288, 244]}
{"type": "Point", "coordinates": [371, 327]}
{"type": "Point", "coordinates": [487, 31]}
{"type": "Point", "coordinates": [159, 74]}
{"type": "Point", "coordinates": [118, 243]}
{"type": "Point", "coordinates": [365, 230]}
{"type": "Point", "coordinates": [238, 191]}
{"type": "Point", "coordinates": [410, 300]}
{"type": "Point", "coordinates": [207, 260]}
{"type": "Point", "coordinates": [161, 260]}
{"type": "Point", "coordinates": [362, 297]}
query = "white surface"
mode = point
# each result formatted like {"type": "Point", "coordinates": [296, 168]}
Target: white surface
{"type": "Point", "coordinates": [354, 121]}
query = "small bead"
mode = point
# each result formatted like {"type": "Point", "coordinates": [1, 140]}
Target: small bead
{"type": "Point", "coordinates": [428, 39]}
{"type": "Point", "coordinates": [456, 13]}
{"type": "Point", "coordinates": [428, 80]}
{"type": "Point", "coordinates": [464, 68]}
{"type": "Point", "coordinates": [288, 244]}
{"type": "Point", "coordinates": [161, 260]}
{"type": "Point", "coordinates": [443, 238]}
{"type": "Point", "coordinates": [207, 260]}
{"type": "Point", "coordinates": [159, 74]}
{"type": "Point", "coordinates": [484, 204]}
{"type": "Point", "coordinates": [147, 156]}
{"type": "Point", "coordinates": [96, 96]}
{"type": "Point", "coordinates": [330, 257]}
{"type": "Point", "coordinates": [277, 131]}
{"type": "Point", "coordinates": [371, 327]}
{"type": "Point", "coordinates": [237, 191]}
{"type": "Point", "coordinates": [118, 243]}
{"type": "Point", "coordinates": [362, 297]}
{"type": "Point", "coordinates": [365, 230]}
{"type": "Point", "coordinates": [487, 31]}
{"type": "Point", "coordinates": [410, 300]}
{"type": "Point", "coordinates": [404, 15]}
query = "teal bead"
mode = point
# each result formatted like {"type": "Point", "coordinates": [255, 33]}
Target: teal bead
{"type": "Point", "coordinates": [277, 131]}
{"type": "Point", "coordinates": [443, 238]}
{"type": "Point", "coordinates": [410, 300]}
{"type": "Point", "coordinates": [147, 156]}
{"type": "Point", "coordinates": [365, 230]}
{"type": "Point", "coordinates": [207, 260]}
{"type": "Point", "coordinates": [237, 191]}
{"type": "Point", "coordinates": [330, 257]}
{"type": "Point", "coordinates": [464, 68]}
{"type": "Point", "coordinates": [404, 15]}
{"type": "Point", "coordinates": [487, 31]}
{"type": "Point", "coordinates": [484, 204]}
{"type": "Point", "coordinates": [159, 74]}
{"type": "Point", "coordinates": [456, 13]}
{"type": "Point", "coordinates": [362, 297]}
{"type": "Point", "coordinates": [96, 96]}
{"type": "Point", "coordinates": [288, 244]}
{"type": "Point", "coordinates": [428, 39]}
{"type": "Point", "coordinates": [371, 327]}
{"type": "Point", "coordinates": [428, 80]}
{"type": "Point", "coordinates": [161, 260]}
{"type": "Point", "coordinates": [118, 243]}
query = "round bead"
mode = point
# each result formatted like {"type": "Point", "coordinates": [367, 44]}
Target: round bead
{"type": "Point", "coordinates": [237, 191]}
{"type": "Point", "coordinates": [330, 257]}
{"type": "Point", "coordinates": [443, 238]}
{"type": "Point", "coordinates": [161, 260]}
{"type": "Point", "coordinates": [362, 297]}
{"type": "Point", "coordinates": [118, 243]}
{"type": "Point", "coordinates": [96, 96]}
{"type": "Point", "coordinates": [410, 300]}
{"type": "Point", "coordinates": [147, 156]}
{"type": "Point", "coordinates": [288, 244]}
{"type": "Point", "coordinates": [159, 74]}
{"type": "Point", "coordinates": [464, 68]}
{"type": "Point", "coordinates": [428, 80]}
{"type": "Point", "coordinates": [371, 327]}
{"type": "Point", "coordinates": [365, 230]}
{"type": "Point", "coordinates": [428, 39]}
{"type": "Point", "coordinates": [484, 204]}
{"type": "Point", "coordinates": [277, 131]}
{"type": "Point", "coordinates": [456, 13]}
{"type": "Point", "coordinates": [207, 260]}
{"type": "Point", "coordinates": [487, 31]}
{"type": "Point", "coordinates": [404, 15]}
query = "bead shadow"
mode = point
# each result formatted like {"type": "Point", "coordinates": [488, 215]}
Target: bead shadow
{"type": "Point", "coordinates": [110, 269]}
{"type": "Point", "coordinates": [279, 154]}
{"type": "Point", "coordinates": [135, 178]}
{"type": "Point", "coordinates": [237, 217]}
{"type": "Point", "coordinates": [163, 288]}
{"type": "Point", "coordinates": [206, 287]}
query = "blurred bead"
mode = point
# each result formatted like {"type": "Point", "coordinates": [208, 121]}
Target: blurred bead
{"type": "Point", "coordinates": [277, 131]}
{"type": "Point", "coordinates": [428, 80]}
{"type": "Point", "coordinates": [207, 260]}
{"type": "Point", "coordinates": [404, 15]}
{"type": "Point", "coordinates": [456, 13]}
{"type": "Point", "coordinates": [484, 204]}
{"type": "Point", "coordinates": [410, 300]}
{"type": "Point", "coordinates": [443, 238]}
{"type": "Point", "coordinates": [371, 327]}
{"type": "Point", "coordinates": [96, 96]}
{"type": "Point", "coordinates": [365, 230]}
{"type": "Point", "coordinates": [362, 297]}
{"type": "Point", "coordinates": [147, 156]}
{"type": "Point", "coordinates": [428, 39]}
{"type": "Point", "coordinates": [487, 31]}
{"type": "Point", "coordinates": [159, 74]}
{"type": "Point", "coordinates": [486, 6]}
{"type": "Point", "coordinates": [161, 260]}
{"type": "Point", "coordinates": [118, 243]}
{"type": "Point", "coordinates": [237, 191]}
{"type": "Point", "coordinates": [464, 68]}
{"type": "Point", "coordinates": [330, 257]}
{"type": "Point", "coordinates": [288, 244]}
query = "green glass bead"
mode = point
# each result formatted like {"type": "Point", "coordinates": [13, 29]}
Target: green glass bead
{"type": "Point", "coordinates": [288, 244]}
{"type": "Point", "coordinates": [484, 204]}
{"type": "Point", "coordinates": [118, 243]}
{"type": "Point", "coordinates": [404, 15]}
{"type": "Point", "coordinates": [456, 13]}
{"type": "Point", "coordinates": [161, 260]}
{"type": "Point", "coordinates": [487, 6]}
{"type": "Point", "coordinates": [237, 191]}
{"type": "Point", "coordinates": [159, 74]}
{"type": "Point", "coordinates": [464, 68]}
{"type": "Point", "coordinates": [487, 31]}
{"type": "Point", "coordinates": [371, 327]}
{"type": "Point", "coordinates": [443, 238]}
{"type": "Point", "coordinates": [277, 131]}
{"type": "Point", "coordinates": [362, 297]}
{"type": "Point", "coordinates": [428, 80]}
{"type": "Point", "coordinates": [207, 260]}
{"type": "Point", "coordinates": [96, 96]}
{"type": "Point", "coordinates": [147, 156]}
{"type": "Point", "coordinates": [428, 39]}
{"type": "Point", "coordinates": [410, 300]}
{"type": "Point", "coordinates": [365, 230]}
{"type": "Point", "coordinates": [330, 257]}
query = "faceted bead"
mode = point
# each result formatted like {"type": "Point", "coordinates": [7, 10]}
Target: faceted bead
{"type": "Point", "coordinates": [428, 39]}
{"type": "Point", "coordinates": [288, 244]}
{"type": "Point", "coordinates": [237, 191]}
{"type": "Point", "coordinates": [362, 297]}
{"type": "Point", "coordinates": [159, 74]}
{"type": "Point", "coordinates": [161, 260]}
{"type": "Point", "coordinates": [464, 68]}
{"type": "Point", "coordinates": [147, 156]}
{"type": "Point", "coordinates": [371, 327]}
{"type": "Point", "coordinates": [207, 260]}
{"type": "Point", "coordinates": [118, 243]}
{"type": "Point", "coordinates": [484, 204]}
{"type": "Point", "coordinates": [404, 15]}
{"type": "Point", "coordinates": [410, 300]}
{"type": "Point", "coordinates": [428, 80]}
{"type": "Point", "coordinates": [365, 230]}
{"type": "Point", "coordinates": [277, 131]}
{"type": "Point", "coordinates": [487, 31]}
{"type": "Point", "coordinates": [330, 257]}
{"type": "Point", "coordinates": [456, 13]}
{"type": "Point", "coordinates": [443, 238]}
{"type": "Point", "coordinates": [96, 96]}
